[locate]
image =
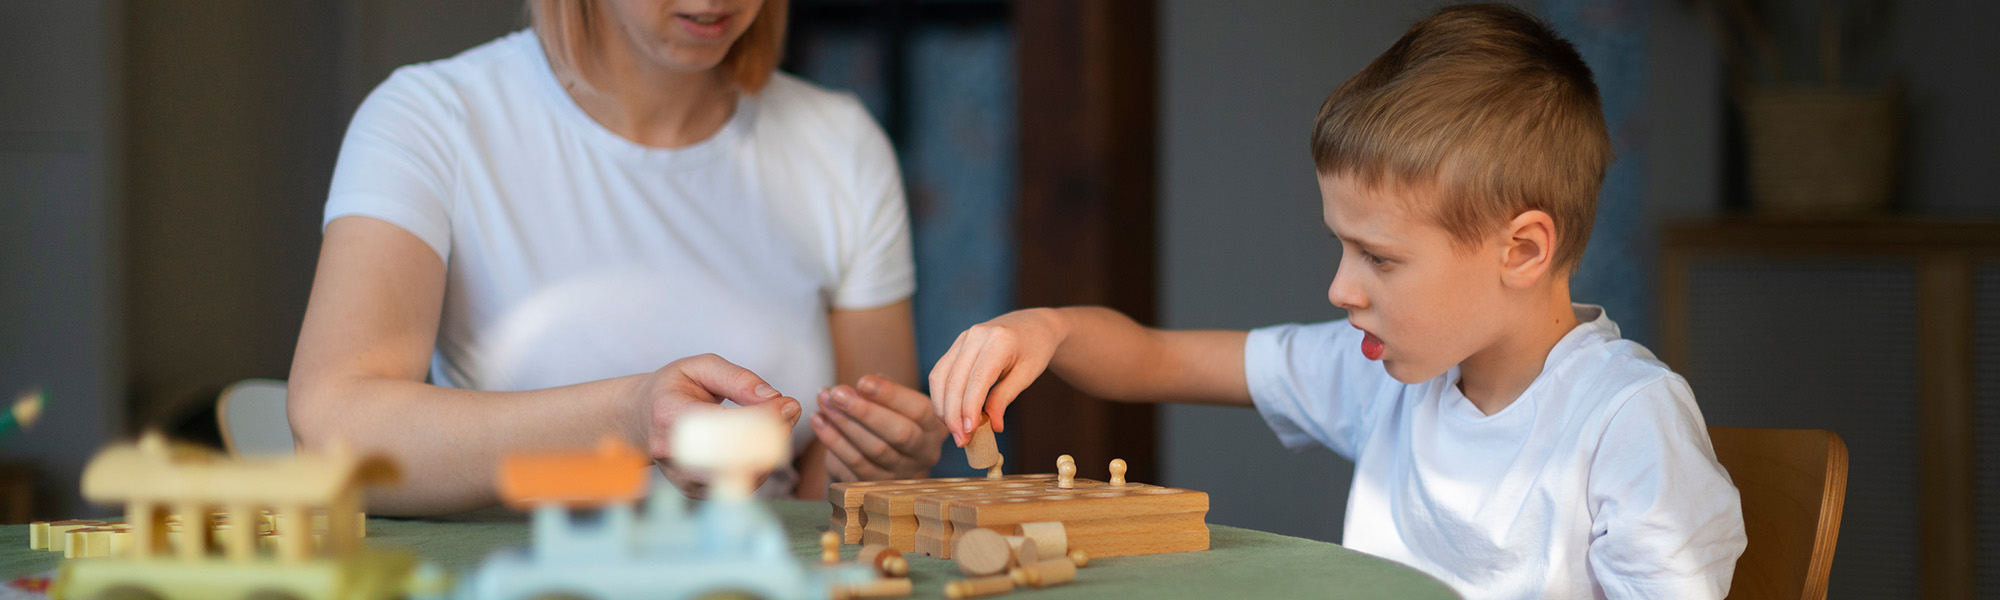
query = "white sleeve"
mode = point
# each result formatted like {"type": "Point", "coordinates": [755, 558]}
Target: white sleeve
{"type": "Point", "coordinates": [396, 162]}
{"type": "Point", "coordinates": [876, 265]}
{"type": "Point", "coordinates": [1312, 385]}
{"type": "Point", "coordinates": [1665, 520]}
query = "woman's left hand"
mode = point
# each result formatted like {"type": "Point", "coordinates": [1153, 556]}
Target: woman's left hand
{"type": "Point", "coordinates": [878, 429]}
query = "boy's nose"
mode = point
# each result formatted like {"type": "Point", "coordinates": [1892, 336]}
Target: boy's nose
{"type": "Point", "coordinates": [1342, 293]}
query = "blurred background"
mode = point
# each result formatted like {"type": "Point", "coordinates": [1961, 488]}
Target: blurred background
{"type": "Point", "coordinates": [1800, 218]}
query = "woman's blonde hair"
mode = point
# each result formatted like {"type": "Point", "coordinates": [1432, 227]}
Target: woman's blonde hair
{"type": "Point", "coordinates": [569, 38]}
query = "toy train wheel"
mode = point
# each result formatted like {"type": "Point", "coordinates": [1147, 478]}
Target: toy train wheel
{"type": "Point", "coordinates": [128, 592]}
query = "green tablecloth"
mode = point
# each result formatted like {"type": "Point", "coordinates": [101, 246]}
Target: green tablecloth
{"type": "Point", "coordinates": [1240, 563]}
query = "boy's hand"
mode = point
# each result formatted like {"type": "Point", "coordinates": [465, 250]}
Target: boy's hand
{"type": "Point", "coordinates": [990, 364]}
{"type": "Point", "coordinates": [877, 429]}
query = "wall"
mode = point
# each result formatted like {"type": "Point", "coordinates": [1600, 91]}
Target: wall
{"type": "Point", "coordinates": [58, 251]}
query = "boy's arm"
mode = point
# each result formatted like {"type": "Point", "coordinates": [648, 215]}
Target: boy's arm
{"type": "Point", "coordinates": [1667, 521]}
{"type": "Point", "coordinates": [1098, 350]}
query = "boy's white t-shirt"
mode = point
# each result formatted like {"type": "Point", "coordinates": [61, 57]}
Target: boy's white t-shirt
{"type": "Point", "coordinates": [573, 254]}
{"type": "Point", "coordinates": [1599, 481]}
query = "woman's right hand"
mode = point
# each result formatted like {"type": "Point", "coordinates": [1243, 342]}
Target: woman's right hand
{"type": "Point", "coordinates": [990, 364]}
{"type": "Point", "coordinates": [697, 383]}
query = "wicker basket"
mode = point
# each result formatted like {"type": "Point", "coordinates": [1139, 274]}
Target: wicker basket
{"type": "Point", "coordinates": [1821, 151]}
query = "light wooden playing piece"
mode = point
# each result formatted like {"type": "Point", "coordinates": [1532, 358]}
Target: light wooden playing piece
{"type": "Point", "coordinates": [1065, 473]}
{"type": "Point", "coordinates": [896, 587]}
{"type": "Point", "coordinates": [829, 547]}
{"type": "Point", "coordinates": [1051, 538]}
{"type": "Point", "coordinates": [1080, 558]}
{"type": "Point", "coordinates": [981, 451]}
{"type": "Point", "coordinates": [978, 587]}
{"type": "Point", "coordinates": [1117, 472]}
{"type": "Point", "coordinates": [1055, 571]}
{"type": "Point", "coordinates": [885, 559]}
{"type": "Point", "coordinates": [981, 552]}
{"type": "Point", "coordinates": [994, 472]}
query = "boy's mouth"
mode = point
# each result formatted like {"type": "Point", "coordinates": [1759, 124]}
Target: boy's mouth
{"type": "Point", "coordinates": [1371, 346]}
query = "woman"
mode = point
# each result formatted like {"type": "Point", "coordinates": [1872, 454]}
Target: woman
{"type": "Point", "coordinates": [540, 223]}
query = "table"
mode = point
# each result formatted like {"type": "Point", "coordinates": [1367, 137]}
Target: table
{"type": "Point", "coordinates": [1240, 563]}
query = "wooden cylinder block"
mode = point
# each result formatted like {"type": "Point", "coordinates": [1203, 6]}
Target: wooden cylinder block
{"type": "Point", "coordinates": [981, 450]}
{"type": "Point", "coordinates": [1051, 539]}
{"type": "Point", "coordinates": [981, 552]}
{"type": "Point", "coordinates": [1025, 552]}
{"type": "Point", "coordinates": [978, 587]}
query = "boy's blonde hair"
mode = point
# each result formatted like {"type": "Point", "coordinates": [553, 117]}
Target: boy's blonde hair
{"type": "Point", "coordinates": [568, 35]}
{"type": "Point", "coordinates": [1485, 106]}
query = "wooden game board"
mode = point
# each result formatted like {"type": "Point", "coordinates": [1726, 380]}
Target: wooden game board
{"type": "Point", "coordinates": [1102, 519]}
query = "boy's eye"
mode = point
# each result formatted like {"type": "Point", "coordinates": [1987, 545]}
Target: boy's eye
{"type": "Point", "coordinates": [1372, 258]}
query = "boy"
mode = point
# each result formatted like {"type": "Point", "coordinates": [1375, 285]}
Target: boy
{"type": "Point", "coordinates": [1505, 440]}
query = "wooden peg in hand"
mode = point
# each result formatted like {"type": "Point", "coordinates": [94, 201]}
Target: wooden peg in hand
{"type": "Point", "coordinates": [981, 451]}
{"type": "Point", "coordinates": [1117, 472]}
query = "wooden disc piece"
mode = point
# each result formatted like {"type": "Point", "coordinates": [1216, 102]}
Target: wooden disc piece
{"type": "Point", "coordinates": [981, 552]}
{"type": "Point", "coordinates": [1051, 540]}
{"type": "Point", "coordinates": [981, 451]}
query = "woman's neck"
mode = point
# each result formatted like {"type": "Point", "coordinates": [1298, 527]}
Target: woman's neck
{"type": "Point", "coordinates": [650, 104]}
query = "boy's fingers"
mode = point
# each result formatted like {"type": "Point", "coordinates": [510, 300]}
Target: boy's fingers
{"type": "Point", "coordinates": [954, 384]}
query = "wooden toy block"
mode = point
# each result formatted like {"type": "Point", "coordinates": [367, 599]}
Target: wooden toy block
{"type": "Point", "coordinates": [889, 515]}
{"type": "Point", "coordinates": [1102, 522]}
{"type": "Point", "coordinates": [981, 552]}
{"type": "Point", "coordinates": [978, 587]}
{"type": "Point", "coordinates": [881, 588]}
{"type": "Point", "coordinates": [38, 535]}
{"type": "Point", "coordinates": [934, 524]}
{"type": "Point", "coordinates": [58, 531]}
{"type": "Point", "coordinates": [846, 497]}
{"type": "Point", "coordinates": [981, 450]}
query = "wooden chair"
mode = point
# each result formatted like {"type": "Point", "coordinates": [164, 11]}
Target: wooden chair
{"type": "Point", "coordinates": [1793, 483]}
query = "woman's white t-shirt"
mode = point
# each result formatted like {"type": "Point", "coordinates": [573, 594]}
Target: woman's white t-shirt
{"type": "Point", "coordinates": [573, 254]}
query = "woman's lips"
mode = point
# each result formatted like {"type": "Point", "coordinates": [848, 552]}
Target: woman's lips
{"type": "Point", "coordinates": [1371, 346]}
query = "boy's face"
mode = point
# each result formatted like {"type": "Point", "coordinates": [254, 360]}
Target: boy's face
{"type": "Point", "coordinates": [1425, 303]}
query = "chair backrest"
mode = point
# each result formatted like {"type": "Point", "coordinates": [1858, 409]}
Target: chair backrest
{"type": "Point", "coordinates": [1793, 484]}
{"type": "Point", "coordinates": [251, 414]}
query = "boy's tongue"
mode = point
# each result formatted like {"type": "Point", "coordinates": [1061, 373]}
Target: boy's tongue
{"type": "Point", "coordinates": [1371, 346]}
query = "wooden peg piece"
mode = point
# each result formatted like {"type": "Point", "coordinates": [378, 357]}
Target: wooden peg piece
{"type": "Point", "coordinates": [829, 547]}
{"type": "Point", "coordinates": [1079, 558]}
{"type": "Point", "coordinates": [978, 587]}
{"type": "Point", "coordinates": [1055, 571]}
{"type": "Point", "coordinates": [1117, 472]}
{"type": "Point", "coordinates": [880, 588]}
{"type": "Point", "coordinates": [981, 552]}
{"type": "Point", "coordinates": [886, 559]}
{"type": "Point", "coordinates": [1051, 539]}
{"type": "Point", "coordinates": [981, 451]}
{"type": "Point", "coordinates": [994, 473]}
{"type": "Point", "coordinates": [1065, 474]}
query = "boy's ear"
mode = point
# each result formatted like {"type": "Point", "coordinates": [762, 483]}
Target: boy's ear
{"type": "Point", "coordinates": [1529, 249]}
